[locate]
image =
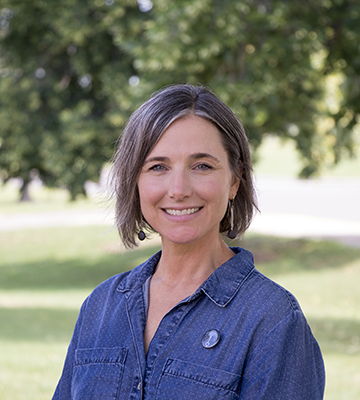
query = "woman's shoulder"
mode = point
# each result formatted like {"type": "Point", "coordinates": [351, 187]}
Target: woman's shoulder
{"type": "Point", "coordinates": [275, 292]}
{"type": "Point", "coordinates": [261, 304]}
{"type": "Point", "coordinates": [259, 289]}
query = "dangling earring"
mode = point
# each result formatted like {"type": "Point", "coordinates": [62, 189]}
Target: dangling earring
{"type": "Point", "coordinates": [141, 235]}
{"type": "Point", "coordinates": [232, 233]}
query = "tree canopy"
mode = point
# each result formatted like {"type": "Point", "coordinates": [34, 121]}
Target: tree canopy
{"type": "Point", "coordinates": [72, 72]}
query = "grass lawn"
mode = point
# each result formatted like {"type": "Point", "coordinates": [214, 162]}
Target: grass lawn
{"type": "Point", "coordinates": [281, 159]}
{"type": "Point", "coordinates": [45, 274]}
{"type": "Point", "coordinates": [273, 155]}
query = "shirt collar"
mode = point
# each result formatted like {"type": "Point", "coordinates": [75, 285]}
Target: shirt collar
{"type": "Point", "coordinates": [133, 280]}
{"type": "Point", "coordinates": [221, 286]}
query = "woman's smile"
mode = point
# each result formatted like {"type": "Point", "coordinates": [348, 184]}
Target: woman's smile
{"type": "Point", "coordinates": [186, 211]}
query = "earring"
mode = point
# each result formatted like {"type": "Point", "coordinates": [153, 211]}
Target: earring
{"type": "Point", "coordinates": [141, 235]}
{"type": "Point", "coordinates": [232, 233]}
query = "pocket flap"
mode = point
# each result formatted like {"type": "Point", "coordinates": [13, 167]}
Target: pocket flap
{"type": "Point", "coordinates": [202, 374]}
{"type": "Point", "coordinates": [113, 355]}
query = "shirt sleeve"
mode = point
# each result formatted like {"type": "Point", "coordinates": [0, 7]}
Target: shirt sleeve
{"type": "Point", "coordinates": [63, 389]}
{"type": "Point", "coordinates": [286, 364]}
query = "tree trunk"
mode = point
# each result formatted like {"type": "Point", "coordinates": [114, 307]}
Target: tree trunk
{"type": "Point", "coordinates": [24, 191]}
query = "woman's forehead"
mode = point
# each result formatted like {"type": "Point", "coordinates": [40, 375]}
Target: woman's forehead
{"type": "Point", "coordinates": [191, 135]}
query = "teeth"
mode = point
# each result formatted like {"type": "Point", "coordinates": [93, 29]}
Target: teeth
{"type": "Point", "coordinates": [182, 212]}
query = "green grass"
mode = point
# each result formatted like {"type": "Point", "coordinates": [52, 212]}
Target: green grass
{"type": "Point", "coordinates": [281, 159]}
{"type": "Point", "coordinates": [45, 274]}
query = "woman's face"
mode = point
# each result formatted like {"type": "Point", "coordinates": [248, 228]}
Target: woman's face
{"type": "Point", "coordinates": [186, 182]}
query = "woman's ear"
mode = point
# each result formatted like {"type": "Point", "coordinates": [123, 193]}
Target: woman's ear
{"type": "Point", "coordinates": [234, 187]}
{"type": "Point", "coordinates": [237, 179]}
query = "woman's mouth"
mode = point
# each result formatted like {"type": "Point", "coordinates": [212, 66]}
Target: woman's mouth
{"type": "Point", "coordinates": [186, 211]}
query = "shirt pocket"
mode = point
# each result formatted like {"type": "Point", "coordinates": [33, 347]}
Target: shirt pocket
{"type": "Point", "coordinates": [98, 373]}
{"type": "Point", "coordinates": [185, 380]}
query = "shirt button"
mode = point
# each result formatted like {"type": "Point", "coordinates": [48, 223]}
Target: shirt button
{"type": "Point", "coordinates": [210, 339]}
{"type": "Point", "coordinates": [139, 386]}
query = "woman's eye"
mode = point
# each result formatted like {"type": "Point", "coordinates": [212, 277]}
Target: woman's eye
{"type": "Point", "coordinates": [157, 168]}
{"type": "Point", "coordinates": [203, 167]}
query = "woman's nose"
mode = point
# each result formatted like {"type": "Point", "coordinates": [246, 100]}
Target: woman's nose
{"type": "Point", "coordinates": [179, 185]}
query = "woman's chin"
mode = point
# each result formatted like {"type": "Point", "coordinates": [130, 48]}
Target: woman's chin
{"type": "Point", "coordinates": [185, 237]}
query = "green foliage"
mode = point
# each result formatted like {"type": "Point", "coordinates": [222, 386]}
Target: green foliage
{"type": "Point", "coordinates": [59, 66]}
{"type": "Point", "coordinates": [72, 72]}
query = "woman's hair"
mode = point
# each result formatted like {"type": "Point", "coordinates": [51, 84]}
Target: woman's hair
{"type": "Point", "coordinates": [143, 131]}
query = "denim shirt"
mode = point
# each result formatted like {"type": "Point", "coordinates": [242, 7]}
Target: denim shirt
{"type": "Point", "coordinates": [264, 347]}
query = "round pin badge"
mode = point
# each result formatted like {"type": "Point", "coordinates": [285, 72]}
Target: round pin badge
{"type": "Point", "coordinates": [210, 339]}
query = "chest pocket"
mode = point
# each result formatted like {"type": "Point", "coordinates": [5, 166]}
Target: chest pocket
{"type": "Point", "coordinates": [98, 373]}
{"type": "Point", "coordinates": [184, 380]}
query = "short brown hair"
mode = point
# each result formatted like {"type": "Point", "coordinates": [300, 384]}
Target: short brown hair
{"type": "Point", "coordinates": [143, 131]}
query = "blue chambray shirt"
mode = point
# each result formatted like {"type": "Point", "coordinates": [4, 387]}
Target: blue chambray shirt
{"type": "Point", "coordinates": [266, 349]}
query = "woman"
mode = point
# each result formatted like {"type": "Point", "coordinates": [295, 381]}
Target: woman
{"type": "Point", "coordinates": [197, 320]}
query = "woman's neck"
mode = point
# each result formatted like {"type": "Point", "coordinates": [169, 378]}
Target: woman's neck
{"type": "Point", "coordinates": [191, 262]}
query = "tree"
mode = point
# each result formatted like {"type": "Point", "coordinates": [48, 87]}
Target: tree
{"type": "Point", "coordinates": [60, 64]}
{"type": "Point", "coordinates": [72, 72]}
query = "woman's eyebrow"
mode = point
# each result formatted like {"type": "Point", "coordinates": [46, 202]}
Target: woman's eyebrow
{"type": "Point", "coordinates": [196, 156]}
{"type": "Point", "coordinates": [157, 159]}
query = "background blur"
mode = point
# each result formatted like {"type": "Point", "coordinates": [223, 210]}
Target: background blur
{"type": "Point", "coordinates": [72, 72]}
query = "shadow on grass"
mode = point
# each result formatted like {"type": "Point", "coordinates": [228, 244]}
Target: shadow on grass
{"type": "Point", "coordinates": [56, 325]}
{"type": "Point", "coordinates": [37, 324]}
{"type": "Point", "coordinates": [73, 273]}
{"type": "Point", "coordinates": [274, 255]}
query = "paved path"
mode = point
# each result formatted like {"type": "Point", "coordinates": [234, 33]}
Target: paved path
{"type": "Point", "coordinates": [46, 219]}
{"type": "Point", "coordinates": [326, 208]}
